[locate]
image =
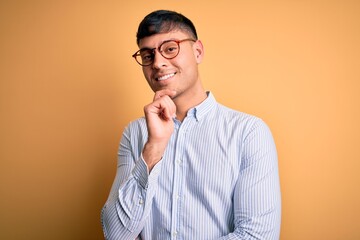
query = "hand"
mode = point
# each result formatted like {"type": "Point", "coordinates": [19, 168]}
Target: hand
{"type": "Point", "coordinates": [159, 119]}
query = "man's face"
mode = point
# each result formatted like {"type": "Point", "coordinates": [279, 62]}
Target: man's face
{"type": "Point", "coordinates": [180, 73]}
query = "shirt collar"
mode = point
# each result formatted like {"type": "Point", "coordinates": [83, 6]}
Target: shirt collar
{"type": "Point", "coordinates": [203, 108]}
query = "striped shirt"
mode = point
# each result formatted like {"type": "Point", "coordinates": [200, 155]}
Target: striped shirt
{"type": "Point", "coordinates": [218, 179]}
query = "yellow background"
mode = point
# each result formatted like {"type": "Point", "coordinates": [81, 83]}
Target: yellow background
{"type": "Point", "coordinates": [68, 86]}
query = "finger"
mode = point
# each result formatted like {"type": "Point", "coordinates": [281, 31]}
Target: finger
{"type": "Point", "coordinates": [169, 108]}
{"type": "Point", "coordinates": [164, 92]}
{"type": "Point", "coordinates": [166, 107]}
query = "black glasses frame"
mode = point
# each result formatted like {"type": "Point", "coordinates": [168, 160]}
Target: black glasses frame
{"type": "Point", "coordinates": [137, 53]}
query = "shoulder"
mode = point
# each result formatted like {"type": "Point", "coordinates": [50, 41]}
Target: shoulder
{"type": "Point", "coordinates": [135, 133]}
{"type": "Point", "coordinates": [136, 127]}
{"type": "Point", "coordinates": [236, 116]}
{"type": "Point", "coordinates": [137, 123]}
{"type": "Point", "coordinates": [239, 122]}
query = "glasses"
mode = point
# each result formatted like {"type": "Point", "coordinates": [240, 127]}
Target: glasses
{"type": "Point", "coordinates": [168, 49]}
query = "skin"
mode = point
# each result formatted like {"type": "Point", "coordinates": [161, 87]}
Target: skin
{"type": "Point", "coordinates": [178, 89]}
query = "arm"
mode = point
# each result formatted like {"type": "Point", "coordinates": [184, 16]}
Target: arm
{"type": "Point", "coordinates": [159, 120]}
{"type": "Point", "coordinates": [257, 199]}
{"type": "Point", "coordinates": [128, 206]}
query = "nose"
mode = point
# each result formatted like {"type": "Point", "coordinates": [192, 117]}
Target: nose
{"type": "Point", "coordinates": [159, 60]}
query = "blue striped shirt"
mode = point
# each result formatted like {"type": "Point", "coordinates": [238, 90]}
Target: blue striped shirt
{"type": "Point", "coordinates": [218, 179]}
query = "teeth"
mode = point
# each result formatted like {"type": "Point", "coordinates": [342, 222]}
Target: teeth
{"type": "Point", "coordinates": [166, 76]}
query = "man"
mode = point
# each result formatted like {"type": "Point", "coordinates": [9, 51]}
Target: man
{"type": "Point", "coordinates": [192, 168]}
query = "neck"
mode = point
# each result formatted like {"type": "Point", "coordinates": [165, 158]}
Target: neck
{"type": "Point", "coordinates": [185, 102]}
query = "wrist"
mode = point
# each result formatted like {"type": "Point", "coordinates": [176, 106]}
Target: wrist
{"type": "Point", "coordinates": [152, 153]}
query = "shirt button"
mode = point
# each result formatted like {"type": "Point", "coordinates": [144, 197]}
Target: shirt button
{"type": "Point", "coordinates": [175, 233]}
{"type": "Point", "coordinates": [141, 201]}
{"type": "Point", "coordinates": [178, 161]}
{"type": "Point", "coordinates": [178, 197]}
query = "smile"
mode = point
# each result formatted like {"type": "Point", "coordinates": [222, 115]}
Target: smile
{"type": "Point", "coordinates": [165, 77]}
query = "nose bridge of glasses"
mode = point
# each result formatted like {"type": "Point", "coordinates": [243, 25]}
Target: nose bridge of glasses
{"type": "Point", "coordinates": [158, 57]}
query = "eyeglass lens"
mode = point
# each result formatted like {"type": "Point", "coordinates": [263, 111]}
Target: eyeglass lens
{"type": "Point", "coordinates": [169, 49]}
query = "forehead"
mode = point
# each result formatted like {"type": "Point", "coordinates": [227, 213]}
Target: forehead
{"type": "Point", "coordinates": [155, 40]}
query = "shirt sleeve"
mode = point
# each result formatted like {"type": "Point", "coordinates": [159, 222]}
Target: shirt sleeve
{"type": "Point", "coordinates": [257, 197]}
{"type": "Point", "coordinates": [129, 203]}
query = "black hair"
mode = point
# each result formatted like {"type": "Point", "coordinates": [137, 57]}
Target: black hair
{"type": "Point", "coordinates": [163, 21]}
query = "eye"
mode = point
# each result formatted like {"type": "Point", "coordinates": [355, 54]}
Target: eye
{"type": "Point", "coordinates": [169, 49]}
{"type": "Point", "coordinates": [146, 55]}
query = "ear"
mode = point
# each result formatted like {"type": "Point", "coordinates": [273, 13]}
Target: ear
{"type": "Point", "coordinates": [198, 51]}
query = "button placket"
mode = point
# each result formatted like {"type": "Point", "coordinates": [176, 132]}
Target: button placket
{"type": "Point", "coordinates": [179, 175]}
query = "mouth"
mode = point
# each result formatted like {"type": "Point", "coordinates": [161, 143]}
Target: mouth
{"type": "Point", "coordinates": [165, 77]}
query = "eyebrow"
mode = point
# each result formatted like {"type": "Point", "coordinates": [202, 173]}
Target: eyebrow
{"type": "Point", "coordinates": [145, 49]}
{"type": "Point", "coordinates": [149, 48]}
